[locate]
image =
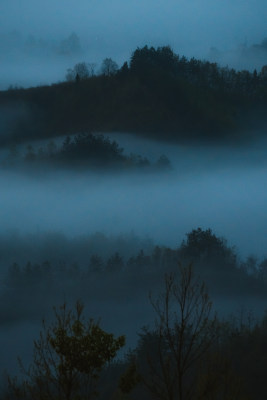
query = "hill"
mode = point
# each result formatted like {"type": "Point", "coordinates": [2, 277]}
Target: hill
{"type": "Point", "coordinates": [157, 94]}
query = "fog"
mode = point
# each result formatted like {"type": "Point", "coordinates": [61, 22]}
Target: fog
{"type": "Point", "coordinates": [219, 187]}
{"type": "Point", "coordinates": [32, 33]}
{"type": "Point", "coordinates": [196, 21]}
{"type": "Point", "coordinates": [209, 186]}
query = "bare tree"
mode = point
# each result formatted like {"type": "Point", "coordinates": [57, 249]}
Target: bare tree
{"type": "Point", "coordinates": [81, 71]}
{"type": "Point", "coordinates": [91, 67]}
{"type": "Point", "coordinates": [109, 67]}
{"type": "Point", "coordinates": [185, 330]}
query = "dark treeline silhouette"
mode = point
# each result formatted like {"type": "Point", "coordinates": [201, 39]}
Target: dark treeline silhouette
{"type": "Point", "coordinates": [83, 257]}
{"type": "Point", "coordinates": [96, 273]}
{"type": "Point", "coordinates": [189, 353]}
{"type": "Point", "coordinates": [231, 367]}
{"type": "Point", "coordinates": [57, 247]}
{"type": "Point", "coordinates": [83, 150]}
{"type": "Point", "coordinates": [158, 93]}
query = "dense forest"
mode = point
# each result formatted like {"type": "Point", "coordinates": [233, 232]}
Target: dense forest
{"type": "Point", "coordinates": [157, 93]}
{"type": "Point", "coordinates": [221, 357]}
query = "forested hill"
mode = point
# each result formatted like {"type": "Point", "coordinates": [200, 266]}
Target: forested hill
{"type": "Point", "coordinates": [157, 93]}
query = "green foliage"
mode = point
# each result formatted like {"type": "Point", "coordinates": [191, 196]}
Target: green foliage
{"type": "Point", "coordinates": [82, 347]}
{"type": "Point", "coordinates": [68, 358]}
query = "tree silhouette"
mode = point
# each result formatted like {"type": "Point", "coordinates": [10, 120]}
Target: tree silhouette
{"type": "Point", "coordinates": [185, 329]}
{"type": "Point", "coordinates": [81, 70]}
{"type": "Point", "coordinates": [67, 360]}
{"type": "Point", "coordinates": [109, 67]}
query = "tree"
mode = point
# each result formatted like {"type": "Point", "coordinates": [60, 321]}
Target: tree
{"type": "Point", "coordinates": [67, 358]}
{"type": "Point", "coordinates": [204, 246]}
{"type": "Point", "coordinates": [109, 67]}
{"type": "Point", "coordinates": [263, 73]}
{"type": "Point", "coordinates": [91, 68]}
{"type": "Point", "coordinates": [184, 331]}
{"type": "Point", "coordinates": [124, 70]}
{"type": "Point", "coordinates": [115, 263]}
{"type": "Point", "coordinates": [96, 264]}
{"type": "Point", "coordinates": [144, 60]}
{"type": "Point", "coordinates": [80, 71]}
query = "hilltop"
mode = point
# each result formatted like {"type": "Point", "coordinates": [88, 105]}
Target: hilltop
{"type": "Point", "coordinates": [157, 93]}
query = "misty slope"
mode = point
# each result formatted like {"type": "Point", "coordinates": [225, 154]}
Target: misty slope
{"type": "Point", "coordinates": [159, 94]}
{"type": "Point", "coordinates": [99, 269]}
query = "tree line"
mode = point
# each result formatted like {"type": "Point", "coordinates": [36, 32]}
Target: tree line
{"type": "Point", "coordinates": [84, 150]}
{"type": "Point", "coordinates": [188, 354]}
{"type": "Point", "coordinates": [216, 262]}
{"type": "Point", "coordinates": [157, 93]}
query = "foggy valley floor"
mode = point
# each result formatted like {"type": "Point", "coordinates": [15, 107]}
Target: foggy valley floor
{"type": "Point", "coordinates": [222, 187]}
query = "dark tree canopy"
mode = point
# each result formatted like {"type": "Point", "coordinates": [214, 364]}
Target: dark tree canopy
{"type": "Point", "coordinates": [204, 245]}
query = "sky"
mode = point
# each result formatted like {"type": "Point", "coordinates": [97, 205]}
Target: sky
{"type": "Point", "coordinates": [191, 25]}
{"type": "Point", "coordinates": [116, 28]}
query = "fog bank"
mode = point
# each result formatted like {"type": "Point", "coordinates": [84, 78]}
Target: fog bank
{"type": "Point", "coordinates": [217, 187]}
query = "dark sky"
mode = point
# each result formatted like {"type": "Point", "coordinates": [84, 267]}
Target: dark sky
{"type": "Point", "coordinates": [191, 26]}
{"type": "Point", "coordinates": [115, 28]}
